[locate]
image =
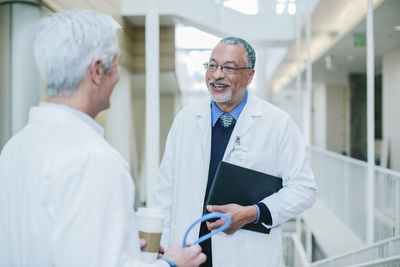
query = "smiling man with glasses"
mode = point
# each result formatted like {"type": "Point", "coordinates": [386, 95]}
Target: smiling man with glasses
{"type": "Point", "coordinates": [244, 130]}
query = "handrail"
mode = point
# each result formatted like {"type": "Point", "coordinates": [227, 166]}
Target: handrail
{"type": "Point", "coordinates": [387, 171]}
{"type": "Point", "coordinates": [354, 161]}
{"type": "Point", "coordinates": [339, 156]}
{"type": "Point", "coordinates": [305, 263]}
{"type": "Point", "coordinates": [316, 263]}
{"type": "Point", "coordinates": [378, 262]}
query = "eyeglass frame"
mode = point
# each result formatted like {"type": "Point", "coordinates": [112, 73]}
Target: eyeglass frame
{"type": "Point", "coordinates": [227, 68]}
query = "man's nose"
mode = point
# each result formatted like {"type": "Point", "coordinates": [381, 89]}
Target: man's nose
{"type": "Point", "coordinates": [218, 74]}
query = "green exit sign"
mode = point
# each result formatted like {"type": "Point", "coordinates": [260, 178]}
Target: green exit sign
{"type": "Point", "coordinates": [360, 40]}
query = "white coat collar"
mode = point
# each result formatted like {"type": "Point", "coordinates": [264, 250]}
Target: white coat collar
{"type": "Point", "coordinates": [202, 116]}
{"type": "Point", "coordinates": [55, 114]}
{"type": "Point", "coordinates": [81, 115]}
{"type": "Point", "coordinates": [252, 109]}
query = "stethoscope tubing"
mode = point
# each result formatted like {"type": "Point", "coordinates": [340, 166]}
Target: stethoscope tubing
{"type": "Point", "coordinates": [206, 217]}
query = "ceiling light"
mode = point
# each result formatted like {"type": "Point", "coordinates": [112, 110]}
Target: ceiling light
{"type": "Point", "coordinates": [350, 57]}
{"type": "Point", "coordinates": [397, 28]}
{"type": "Point", "coordinates": [292, 8]}
{"type": "Point", "coordinates": [280, 8]}
{"type": "Point", "coordinates": [249, 7]}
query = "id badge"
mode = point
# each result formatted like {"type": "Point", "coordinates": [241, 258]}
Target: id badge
{"type": "Point", "coordinates": [239, 153]}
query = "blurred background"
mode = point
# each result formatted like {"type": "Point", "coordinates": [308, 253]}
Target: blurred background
{"type": "Point", "coordinates": [334, 66]}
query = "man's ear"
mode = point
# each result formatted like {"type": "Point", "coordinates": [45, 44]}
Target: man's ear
{"type": "Point", "coordinates": [251, 75]}
{"type": "Point", "coordinates": [96, 71]}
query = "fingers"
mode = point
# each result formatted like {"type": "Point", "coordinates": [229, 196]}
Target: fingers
{"type": "Point", "coordinates": [214, 225]}
{"type": "Point", "coordinates": [143, 243]}
{"type": "Point", "coordinates": [196, 249]}
{"type": "Point", "coordinates": [222, 208]}
{"type": "Point", "coordinates": [216, 208]}
{"type": "Point", "coordinates": [161, 252]}
{"type": "Point", "coordinates": [201, 258]}
{"type": "Point", "coordinates": [186, 257]}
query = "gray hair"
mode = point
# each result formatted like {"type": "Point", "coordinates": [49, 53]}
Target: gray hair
{"type": "Point", "coordinates": [68, 42]}
{"type": "Point", "coordinates": [251, 54]}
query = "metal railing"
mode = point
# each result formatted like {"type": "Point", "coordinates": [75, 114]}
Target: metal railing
{"type": "Point", "coordinates": [294, 254]}
{"type": "Point", "coordinates": [383, 253]}
{"type": "Point", "coordinates": [378, 251]}
{"type": "Point", "coordinates": [342, 183]}
{"type": "Point", "coordinates": [387, 203]}
{"type": "Point", "coordinates": [387, 262]}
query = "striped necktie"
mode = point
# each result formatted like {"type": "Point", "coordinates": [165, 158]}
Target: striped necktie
{"type": "Point", "coordinates": [226, 119]}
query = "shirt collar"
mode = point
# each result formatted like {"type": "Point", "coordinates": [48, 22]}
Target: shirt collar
{"type": "Point", "coordinates": [216, 112]}
{"type": "Point", "coordinates": [81, 115]}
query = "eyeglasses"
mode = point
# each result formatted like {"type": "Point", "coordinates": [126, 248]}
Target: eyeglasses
{"type": "Point", "coordinates": [225, 68]}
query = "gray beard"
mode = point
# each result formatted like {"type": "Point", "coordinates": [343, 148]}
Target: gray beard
{"type": "Point", "coordinates": [219, 99]}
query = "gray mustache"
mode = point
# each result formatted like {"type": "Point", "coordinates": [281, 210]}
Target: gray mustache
{"type": "Point", "coordinates": [218, 83]}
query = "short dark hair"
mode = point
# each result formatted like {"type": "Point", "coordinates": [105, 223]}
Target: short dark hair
{"type": "Point", "coordinates": [251, 54]}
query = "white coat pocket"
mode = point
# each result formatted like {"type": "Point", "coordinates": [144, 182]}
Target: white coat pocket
{"type": "Point", "coordinates": [263, 162]}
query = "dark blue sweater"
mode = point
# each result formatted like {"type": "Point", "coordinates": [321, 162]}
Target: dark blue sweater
{"type": "Point", "coordinates": [219, 140]}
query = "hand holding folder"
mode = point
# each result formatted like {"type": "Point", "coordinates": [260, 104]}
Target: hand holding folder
{"type": "Point", "coordinates": [243, 186]}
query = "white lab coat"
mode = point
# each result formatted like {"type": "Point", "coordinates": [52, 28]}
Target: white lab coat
{"type": "Point", "coordinates": [271, 143]}
{"type": "Point", "coordinates": [66, 197]}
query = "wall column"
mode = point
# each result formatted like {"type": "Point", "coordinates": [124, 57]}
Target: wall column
{"type": "Point", "coordinates": [152, 97]}
{"type": "Point", "coordinates": [19, 78]}
{"type": "Point", "coordinates": [308, 95]}
{"type": "Point", "coordinates": [370, 123]}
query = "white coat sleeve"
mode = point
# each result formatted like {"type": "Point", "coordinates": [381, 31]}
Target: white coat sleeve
{"type": "Point", "coordinates": [299, 189]}
{"type": "Point", "coordinates": [96, 226]}
{"type": "Point", "coordinates": [163, 197]}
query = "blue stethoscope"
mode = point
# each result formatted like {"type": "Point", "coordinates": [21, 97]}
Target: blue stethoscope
{"type": "Point", "coordinates": [205, 218]}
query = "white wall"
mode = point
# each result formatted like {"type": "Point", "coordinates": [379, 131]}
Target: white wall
{"type": "Point", "coordinates": [119, 121]}
{"type": "Point", "coordinates": [390, 105]}
{"type": "Point", "coordinates": [290, 101]}
{"type": "Point", "coordinates": [167, 115]}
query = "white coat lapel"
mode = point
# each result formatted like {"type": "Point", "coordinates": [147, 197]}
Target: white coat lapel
{"type": "Point", "coordinates": [246, 121]}
{"type": "Point", "coordinates": [203, 120]}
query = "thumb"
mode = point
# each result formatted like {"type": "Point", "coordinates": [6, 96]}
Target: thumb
{"type": "Point", "coordinates": [143, 243]}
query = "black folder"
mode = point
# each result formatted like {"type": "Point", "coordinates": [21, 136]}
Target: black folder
{"type": "Point", "coordinates": [243, 186]}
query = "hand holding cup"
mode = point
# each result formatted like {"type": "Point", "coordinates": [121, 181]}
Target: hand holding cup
{"type": "Point", "coordinates": [150, 224]}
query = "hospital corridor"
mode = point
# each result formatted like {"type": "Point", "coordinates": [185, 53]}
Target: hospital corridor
{"type": "Point", "coordinates": [333, 66]}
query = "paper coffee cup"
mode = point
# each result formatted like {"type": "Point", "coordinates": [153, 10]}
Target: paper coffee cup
{"type": "Point", "coordinates": [150, 224]}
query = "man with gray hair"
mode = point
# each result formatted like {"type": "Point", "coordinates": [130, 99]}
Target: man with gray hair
{"type": "Point", "coordinates": [66, 196]}
{"type": "Point", "coordinates": [239, 128]}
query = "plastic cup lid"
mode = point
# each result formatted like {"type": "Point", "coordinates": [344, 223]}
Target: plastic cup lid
{"type": "Point", "coordinates": [151, 212]}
